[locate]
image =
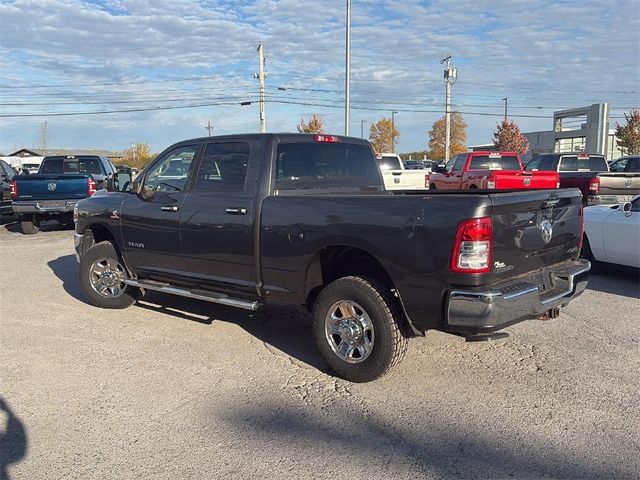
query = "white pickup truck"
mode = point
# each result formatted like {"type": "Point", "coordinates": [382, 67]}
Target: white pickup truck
{"type": "Point", "coordinates": [396, 177]}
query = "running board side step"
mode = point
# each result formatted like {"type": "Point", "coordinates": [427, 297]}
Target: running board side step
{"type": "Point", "coordinates": [212, 297]}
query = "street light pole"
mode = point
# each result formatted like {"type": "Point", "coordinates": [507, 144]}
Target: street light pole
{"type": "Point", "coordinates": [393, 131]}
{"type": "Point", "coordinates": [362, 122]}
{"type": "Point", "coordinates": [450, 74]}
{"type": "Point", "coordinates": [263, 127]}
{"type": "Point", "coordinates": [506, 99]}
{"type": "Point", "coordinates": [347, 82]}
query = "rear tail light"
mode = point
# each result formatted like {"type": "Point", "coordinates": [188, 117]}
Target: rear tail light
{"type": "Point", "coordinates": [558, 184]}
{"type": "Point", "coordinates": [91, 186]}
{"type": "Point", "coordinates": [427, 182]}
{"type": "Point", "coordinates": [594, 186]}
{"type": "Point", "coordinates": [13, 188]}
{"type": "Point", "coordinates": [491, 184]}
{"type": "Point", "coordinates": [326, 139]}
{"type": "Point", "coordinates": [472, 247]}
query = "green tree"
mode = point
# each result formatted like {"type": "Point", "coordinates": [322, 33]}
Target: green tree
{"type": "Point", "coordinates": [508, 138]}
{"type": "Point", "coordinates": [458, 136]}
{"type": "Point", "coordinates": [314, 125]}
{"type": "Point", "coordinates": [629, 134]}
{"type": "Point", "coordinates": [383, 136]}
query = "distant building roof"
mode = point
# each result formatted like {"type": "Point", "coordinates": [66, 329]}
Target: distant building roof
{"type": "Point", "coordinates": [43, 152]}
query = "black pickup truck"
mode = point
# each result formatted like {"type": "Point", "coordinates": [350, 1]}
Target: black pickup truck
{"type": "Point", "coordinates": [302, 219]}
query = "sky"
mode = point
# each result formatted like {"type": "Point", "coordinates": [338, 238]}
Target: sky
{"type": "Point", "coordinates": [165, 68]}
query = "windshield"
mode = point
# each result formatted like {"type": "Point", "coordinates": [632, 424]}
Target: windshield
{"type": "Point", "coordinates": [389, 162]}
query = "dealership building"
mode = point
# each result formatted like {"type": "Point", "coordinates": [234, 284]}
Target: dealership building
{"type": "Point", "coordinates": [583, 129]}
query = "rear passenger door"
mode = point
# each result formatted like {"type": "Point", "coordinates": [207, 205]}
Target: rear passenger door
{"type": "Point", "coordinates": [217, 218]}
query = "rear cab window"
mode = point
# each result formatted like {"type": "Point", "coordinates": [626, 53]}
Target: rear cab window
{"type": "Point", "coordinates": [310, 166]}
{"type": "Point", "coordinates": [62, 165]}
{"type": "Point", "coordinates": [388, 162]}
{"type": "Point", "coordinates": [494, 162]}
{"type": "Point", "coordinates": [585, 163]}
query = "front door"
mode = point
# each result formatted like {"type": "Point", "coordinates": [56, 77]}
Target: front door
{"type": "Point", "coordinates": [151, 220]}
{"type": "Point", "coordinates": [218, 215]}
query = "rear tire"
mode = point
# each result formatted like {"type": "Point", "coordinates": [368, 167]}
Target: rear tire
{"type": "Point", "coordinates": [359, 328]}
{"type": "Point", "coordinates": [29, 224]}
{"type": "Point", "coordinates": [432, 187]}
{"type": "Point", "coordinates": [102, 275]}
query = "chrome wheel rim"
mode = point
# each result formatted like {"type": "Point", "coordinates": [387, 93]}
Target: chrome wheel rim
{"type": "Point", "coordinates": [107, 277]}
{"type": "Point", "coordinates": [349, 331]}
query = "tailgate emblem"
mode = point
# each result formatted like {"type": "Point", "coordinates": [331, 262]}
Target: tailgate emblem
{"type": "Point", "coordinates": [627, 182]}
{"type": "Point", "coordinates": [51, 186]}
{"type": "Point", "coordinates": [396, 180]}
{"type": "Point", "coordinates": [547, 231]}
{"type": "Point", "coordinates": [527, 181]}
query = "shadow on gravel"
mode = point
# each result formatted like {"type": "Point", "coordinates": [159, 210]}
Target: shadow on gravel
{"type": "Point", "coordinates": [66, 269]}
{"type": "Point", "coordinates": [13, 440]}
{"type": "Point", "coordinates": [287, 329]}
{"type": "Point", "coordinates": [432, 448]}
{"type": "Point", "coordinates": [48, 226]}
{"type": "Point", "coordinates": [616, 280]}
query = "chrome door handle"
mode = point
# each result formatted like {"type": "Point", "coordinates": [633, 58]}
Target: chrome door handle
{"type": "Point", "coordinates": [236, 211]}
{"type": "Point", "coordinates": [169, 208]}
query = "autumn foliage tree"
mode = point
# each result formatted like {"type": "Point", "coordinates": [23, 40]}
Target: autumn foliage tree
{"type": "Point", "coordinates": [508, 138]}
{"type": "Point", "coordinates": [458, 136]}
{"type": "Point", "coordinates": [138, 155]}
{"type": "Point", "coordinates": [629, 134]}
{"type": "Point", "coordinates": [314, 125]}
{"type": "Point", "coordinates": [383, 135]}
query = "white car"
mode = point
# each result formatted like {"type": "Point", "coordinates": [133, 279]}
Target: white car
{"type": "Point", "coordinates": [612, 233]}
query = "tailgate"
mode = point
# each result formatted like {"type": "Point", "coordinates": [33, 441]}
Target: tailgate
{"type": "Point", "coordinates": [508, 179]}
{"type": "Point", "coordinates": [534, 229]}
{"type": "Point", "coordinates": [619, 183]}
{"type": "Point", "coordinates": [542, 179]}
{"type": "Point", "coordinates": [52, 187]}
{"type": "Point", "coordinates": [405, 179]}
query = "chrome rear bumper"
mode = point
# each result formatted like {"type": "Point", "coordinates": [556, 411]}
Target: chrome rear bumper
{"type": "Point", "coordinates": [486, 309]}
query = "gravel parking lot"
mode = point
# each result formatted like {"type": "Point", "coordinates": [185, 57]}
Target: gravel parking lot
{"type": "Point", "coordinates": [174, 388]}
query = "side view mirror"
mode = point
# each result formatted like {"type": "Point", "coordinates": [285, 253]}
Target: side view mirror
{"type": "Point", "coordinates": [119, 182]}
{"type": "Point", "coordinates": [626, 208]}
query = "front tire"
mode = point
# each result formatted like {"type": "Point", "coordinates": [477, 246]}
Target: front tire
{"type": "Point", "coordinates": [29, 224]}
{"type": "Point", "coordinates": [359, 328]}
{"type": "Point", "coordinates": [102, 275]}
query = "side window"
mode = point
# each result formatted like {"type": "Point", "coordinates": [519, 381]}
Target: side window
{"type": "Point", "coordinates": [618, 165]}
{"type": "Point", "coordinates": [548, 163]}
{"type": "Point", "coordinates": [534, 164]}
{"type": "Point", "coordinates": [449, 166]}
{"type": "Point", "coordinates": [223, 167]}
{"type": "Point", "coordinates": [633, 165]}
{"type": "Point", "coordinates": [6, 170]}
{"type": "Point", "coordinates": [460, 161]}
{"type": "Point", "coordinates": [169, 173]}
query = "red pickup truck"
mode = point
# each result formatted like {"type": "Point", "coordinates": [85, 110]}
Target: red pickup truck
{"type": "Point", "coordinates": [489, 171]}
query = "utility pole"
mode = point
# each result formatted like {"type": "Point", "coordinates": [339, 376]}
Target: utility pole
{"type": "Point", "coordinates": [450, 74]}
{"type": "Point", "coordinates": [362, 122]}
{"type": "Point", "coordinates": [393, 131]}
{"type": "Point", "coordinates": [263, 127]}
{"type": "Point", "coordinates": [347, 82]}
{"type": "Point", "coordinates": [209, 127]}
{"type": "Point", "coordinates": [506, 100]}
